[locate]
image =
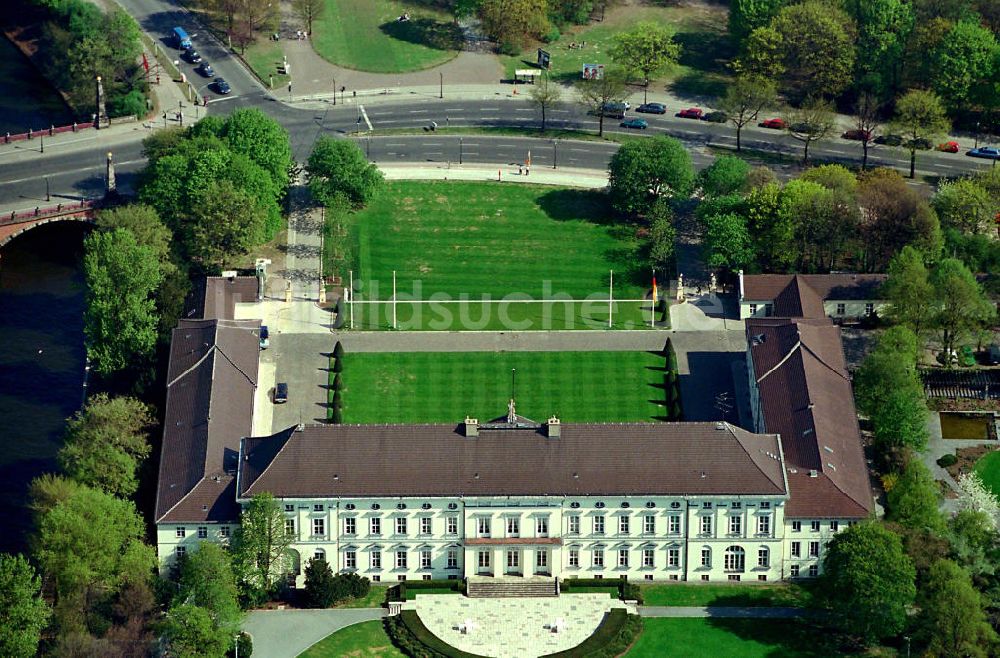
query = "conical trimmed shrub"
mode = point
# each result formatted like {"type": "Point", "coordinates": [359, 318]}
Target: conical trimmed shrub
{"type": "Point", "coordinates": [338, 416]}
{"type": "Point", "coordinates": [338, 382]}
{"type": "Point", "coordinates": [338, 365]}
{"type": "Point", "coordinates": [338, 350]}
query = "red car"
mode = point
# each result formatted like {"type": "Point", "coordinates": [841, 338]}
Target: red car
{"type": "Point", "coordinates": [858, 135]}
{"type": "Point", "coordinates": [948, 147]}
{"type": "Point", "coordinates": [691, 113]}
{"type": "Point", "coordinates": [775, 124]}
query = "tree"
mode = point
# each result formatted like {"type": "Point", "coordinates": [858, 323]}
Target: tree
{"type": "Point", "coordinates": [867, 111]}
{"type": "Point", "coordinates": [263, 140]}
{"type": "Point", "coordinates": [745, 16]}
{"type": "Point", "coordinates": [962, 305]}
{"type": "Point", "coordinates": [908, 290]}
{"type": "Point", "coordinates": [320, 587]}
{"type": "Point", "coordinates": [868, 581]}
{"type": "Point", "coordinates": [920, 118]}
{"type": "Point", "coordinates": [106, 442]}
{"type": "Point", "coordinates": [963, 60]}
{"type": "Point", "coordinates": [545, 93]}
{"type": "Point", "coordinates": [810, 123]}
{"type": "Point", "coordinates": [120, 320]}
{"type": "Point", "coordinates": [661, 234]}
{"type": "Point", "coordinates": [744, 99]}
{"type": "Point", "coordinates": [892, 365]}
{"type": "Point", "coordinates": [728, 242]}
{"type": "Point", "coordinates": [227, 221]}
{"type": "Point", "coordinates": [913, 500]}
{"type": "Point", "coordinates": [726, 175]}
{"type": "Point", "coordinates": [672, 384]}
{"type": "Point", "coordinates": [900, 422]}
{"type": "Point", "coordinates": [975, 543]}
{"type": "Point", "coordinates": [643, 171]}
{"type": "Point", "coordinates": [974, 496]}
{"type": "Point", "coordinates": [207, 581]}
{"type": "Point", "coordinates": [337, 166]}
{"type": "Point", "coordinates": [952, 621]}
{"type": "Point", "coordinates": [883, 27]}
{"type": "Point", "coordinates": [308, 11]}
{"type": "Point", "coordinates": [144, 223]}
{"type": "Point", "coordinates": [648, 48]}
{"type": "Point", "coordinates": [967, 205]}
{"type": "Point", "coordinates": [188, 632]}
{"type": "Point", "coordinates": [598, 94]}
{"type": "Point", "coordinates": [512, 22]}
{"type": "Point", "coordinates": [257, 15]}
{"type": "Point", "coordinates": [260, 546]}
{"type": "Point", "coordinates": [894, 215]}
{"type": "Point", "coordinates": [338, 350]}
{"type": "Point", "coordinates": [769, 211]}
{"type": "Point", "coordinates": [23, 612]}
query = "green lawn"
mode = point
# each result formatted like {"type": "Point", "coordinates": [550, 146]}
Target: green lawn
{"type": "Point", "coordinates": [375, 598]}
{"type": "Point", "coordinates": [718, 638]}
{"type": "Point", "coordinates": [576, 386]}
{"type": "Point", "coordinates": [265, 58]}
{"type": "Point", "coordinates": [725, 595]}
{"type": "Point", "coordinates": [412, 593]}
{"type": "Point", "coordinates": [988, 469]}
{"type": "Point", "coordinates": [364, 640]}
{"type": "Point", "coordinates": [365, 35]}
{"type": "Point", "coordinates": [450, 241]}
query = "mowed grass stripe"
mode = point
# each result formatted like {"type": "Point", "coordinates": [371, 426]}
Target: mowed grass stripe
{"type": "Point", "coordinates": [444, 387]}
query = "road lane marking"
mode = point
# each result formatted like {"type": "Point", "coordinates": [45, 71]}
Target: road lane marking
{"type": "Point", "coordinates": [365, 115]}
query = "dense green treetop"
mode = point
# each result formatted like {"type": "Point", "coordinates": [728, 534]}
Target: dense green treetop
{"type": "Point", "coordinates": [338, 167]}
{"type": "Point", "coordinates": [643, 170]}
{"type": "Point", "coordinates": [23, 612]}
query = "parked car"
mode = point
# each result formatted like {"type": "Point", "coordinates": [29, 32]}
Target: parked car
{"type": "Point", "coordinates": [948, 147]}
{"type": "Point", "coordinates": [889, 140]}
{"type": "Point", "coordinates": [281, 393]}
{"type": "Point", "coordinates": [988, 152]}
{"type": "Point", "coordinates": [716, 117]}
{"type": "Point", "coordinates": [652, 108]}
{"type": "Point", "coordinates": [222, 86]}
{"type": "Point", "coordinates": [857, 135]}
{"type": "Point", "coordinates": [966, 356]}
{"type": "Point", "coordinates": [640, 124]}
{"type": "Point", "coordinates": [206, 70]}
{"type": "Point", "coordinates": [773, 124]}
{"type": "Point", "coordinates": [691, 113]}
{"type": "Point", "coordinates": [192, 56]}
{"type": "Point", "coordinates": [614, 110]}
{"type": "Point", "coordinates": [265, 337]}
{"type": "Point", "coordinates": [921, 144]}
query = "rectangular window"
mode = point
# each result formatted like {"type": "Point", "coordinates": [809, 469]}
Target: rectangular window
{"type": "Point", "coordinates": [180, 532]}
{"type": "Point", "coordinates": [574, 524]}
{"type": "Point", "coordinates": [452, 525]}
{"type": "Point", "coordinates": [753, 309]}
{"type": "Point", "coordinates": [623, 525]}
{"type": "Point", "coordinates": [513, 526]}
{"type": "Point", "coordinates": [574, 558]}
{"type": "Point", "coordinates": [317, 508]}
{"type": "Point", "coordinates": [224, 532]}
{"type": "Point", "coordinates": [763, 557]}
{"type": "Point", "coordinates": [735, 525]}
{"type": "Point", "coordinates": [180, 551]}
{"type": "Point", "coordinates": [425, 525]}
{"type": "Point", "coordinates": [762, 577]}
{"type": "Point", "coordinates": [483, 523]}
{"type": "Point", "coordinates": [814, 549]}
{"type": "Point", "coordinates": [599, 524]}
{"type": "Point", "coordinates": [425, 559]}
{"type": "Point", "coordinates": [869, 308]}
{"type": "Point", "coordinates": [375, 559]}
{"type": "Point", "coordinates": [623, 557]}
{"type": "Point", "coordinates": [202, 532]}
{"type": "Point", "coordinates": [401, 525]}
{"type": "Point", "coordinates": [796, 549]}
{"type": "Point", "coordinates": [376, 578]}
{"type": "Point", "coordinates": [796, 526]}
{"type": "Point", "coordinates": [706, 525]}
{"type": "Point", "coordinates": [375, 525]}
{"type": "Point", "coordinates": [319, 527]}
{"type": "Point", "coordinates": [814, 526]}
{"type": "Point", "coordinates": [542, 559]}
{"type": "Point", "coordinates": [350, 559]}
{"type": "Point", "coordinates": [768, 309]}
{"type": "Point", "coordinates": [289, 508]}
{"type": "Point", "coordinates": [673, 557]}
{"type": "Point", "coordinates": [841, 309]}
{"type": "Point", "coordinates": [290, 527]}
{"type": "Point", "coordinates": [598, 557]}
{"type": "Point", "coordinates": [452, 558]}
{"type": "Point", "coordinates": [734, 576]}
{"type": "Point", "coordinates": [484, 559]}
{"type": "Point", "coordinates": [542, 526]}
{"type": "Point", "coordinates": [649, 524]}
{"type": "Point", "coordinates": [400, 559]}
{"type": "Point", "coordinates": [765, 505]}
{"type": "Point", "coordinates": [648, 557]}
{"type": "Point", "coordinates": [513, 559]}
{"type": "Point", "coordinates": [706, 557]}
{"type": "Point", "coordinates": [764, 524]}
{"type": "Point", "coordinates": [737, 505]}
{"type": "Point", "coordinates": [794, 571]}
{"type": "Point", "coordinates": [350, 526]}
{"type": "Point", "coordinates": [675, 524]}
{"type": "Point", "coordinates": [704, 576]}
{"type": "Point", "coordinates": [706, 505]}
{"type": "Point", "coordinates": [834, 526]}
{"type": "Point", "coordinates": [813, 571]}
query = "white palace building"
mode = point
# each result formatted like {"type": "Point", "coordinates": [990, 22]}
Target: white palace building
{"type": "Point", "coordinates": [690, 501]}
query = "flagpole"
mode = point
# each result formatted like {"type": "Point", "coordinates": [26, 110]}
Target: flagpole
{"type": "Point", "coordinates": [611, 297]}
{"type": "Point", "coordinates": [394, 299]}
{"type": "Point", "coordinates": [350, 296]}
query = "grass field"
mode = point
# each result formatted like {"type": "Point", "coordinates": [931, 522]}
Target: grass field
{"type": "Point", "coordinates": [364, 640]}
{"type": "Point", "coordinates": [364, 35]}
{"type": "Point", "coordinates": [724, 595]}
{"type": "Point", "coordinates": [988, 469]}
{"type": "Point", "coordinates": [264, 57]}
{"type": "Point", "coordinates": [746, 638]}
{"type": "Point", "coordinates": [421, 387]}
{"type": "Point", "coordinates": [450, 241]}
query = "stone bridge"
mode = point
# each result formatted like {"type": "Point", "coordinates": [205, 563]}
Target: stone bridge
{"type": "Point", "coordinates": [13, 224]}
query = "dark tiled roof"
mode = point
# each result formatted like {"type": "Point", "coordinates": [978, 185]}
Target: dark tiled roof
{"type": "Point", "coordinates": [438, 460]}
{"type": "Point", "coordinates": [796, 295]}
{"type": "Point", "coordinates": [211, 381]}
{"type": "Point", "coordinates": [222, 294]}
{"type": "Point", "coordinates": [806, 397]}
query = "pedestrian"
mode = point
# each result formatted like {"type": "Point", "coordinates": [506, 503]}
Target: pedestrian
{"type": "Point", "coordinates": [520, 170]}
{"type": "Point", "coordinates": [527, 170]}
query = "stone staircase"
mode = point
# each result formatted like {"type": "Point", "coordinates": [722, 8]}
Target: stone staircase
{"type": "Point", "coordinates": [482, 588]}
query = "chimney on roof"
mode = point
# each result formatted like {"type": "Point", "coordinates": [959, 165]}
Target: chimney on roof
{"type": "Point", "coordinates": [813, 473]}
{"type": "Point", "coordinates": [229, 274]}
{"type": "Point", "coordinates": [471, 427]}
{"type": "Point", "coordinates": [554, 428]}
{"type": "Point", "coordinates": [300, 427]}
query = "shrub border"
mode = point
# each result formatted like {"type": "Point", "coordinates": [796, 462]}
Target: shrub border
{"type": "Point", "coordinates": [410, 636]}
{"type": "Point", "coordinates": [613, 637]}
{"type": "Point", "coordinates": [627, 591]}
{"type": "Point", "coordinates": [397, 592]}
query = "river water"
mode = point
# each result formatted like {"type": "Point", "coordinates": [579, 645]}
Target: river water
{"type": "Point", "coordinates": [41, 361]}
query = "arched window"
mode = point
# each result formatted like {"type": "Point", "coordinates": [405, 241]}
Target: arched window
{"type": "Point", "coordinates": [763, 557]}
{"type": "Point", "coordinates": [735, 559]}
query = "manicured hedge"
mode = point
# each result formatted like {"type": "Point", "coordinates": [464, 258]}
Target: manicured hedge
{"type": "Point", "coordinates": [411, 637]}
{"type": "Point", "coordinates": [612, 638]}
{"type": "Point", "coordinates": [626, 591]}
{"type": "Point", "coordinates": [398, 592]}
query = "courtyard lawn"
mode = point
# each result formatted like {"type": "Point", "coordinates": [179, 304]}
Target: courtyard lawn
{"type": "Point", "coordinates": [726, 595]}
{"type": "Point", "coordinates": [420, 387]}
{"type": "Point", "coordinates": [265, 58]}
{"type": "Point", "coordinates": [988, 469]}
{"type": "Point", "coordinates": [451, 241]}
{"type": "Point", "coordinates": [746, 638]}
{"type": "Point", "coordinates": [364, 640]}
{"type": "Point", "coordinates": [365, 35]}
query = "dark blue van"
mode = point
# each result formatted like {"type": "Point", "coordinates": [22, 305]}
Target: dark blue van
{"type": "Point", "coordinates": [181, 38]}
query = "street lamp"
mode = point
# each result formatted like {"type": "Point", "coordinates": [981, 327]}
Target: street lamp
{"type": "Point", "coordinates": [48, 196]}
{"type": "Point", "coordinates": [459, 150]}
{"type": "Point", "coordinates": [335, 91]}
{"type": "Point", "coordinates": [977, 135]}
{"type": "Point", "coordinates": [441, 84]}
{"type": "Point", "coordinates": [555, 153]}
{"type": "Point", "coordinates": [907, 638]}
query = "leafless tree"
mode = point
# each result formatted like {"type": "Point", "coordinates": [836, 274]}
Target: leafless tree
{"type": "Point", "coordinates": [308, 11]}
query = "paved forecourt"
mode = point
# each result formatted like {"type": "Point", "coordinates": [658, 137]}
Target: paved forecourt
{"type": "Point", "coordinates": [514, 627]}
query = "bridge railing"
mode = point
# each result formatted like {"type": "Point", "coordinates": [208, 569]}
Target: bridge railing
{"type": "Point", "coordinates": [17, 217]}
{"type": "Point", "coordinates": [8, 138]}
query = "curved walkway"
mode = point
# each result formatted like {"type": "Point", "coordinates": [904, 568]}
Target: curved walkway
{"type": "Point", "coordinates": [287, 633]}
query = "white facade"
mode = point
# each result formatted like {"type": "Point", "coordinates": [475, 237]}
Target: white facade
{"type": "Point", "coordinates": [852, 309]}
